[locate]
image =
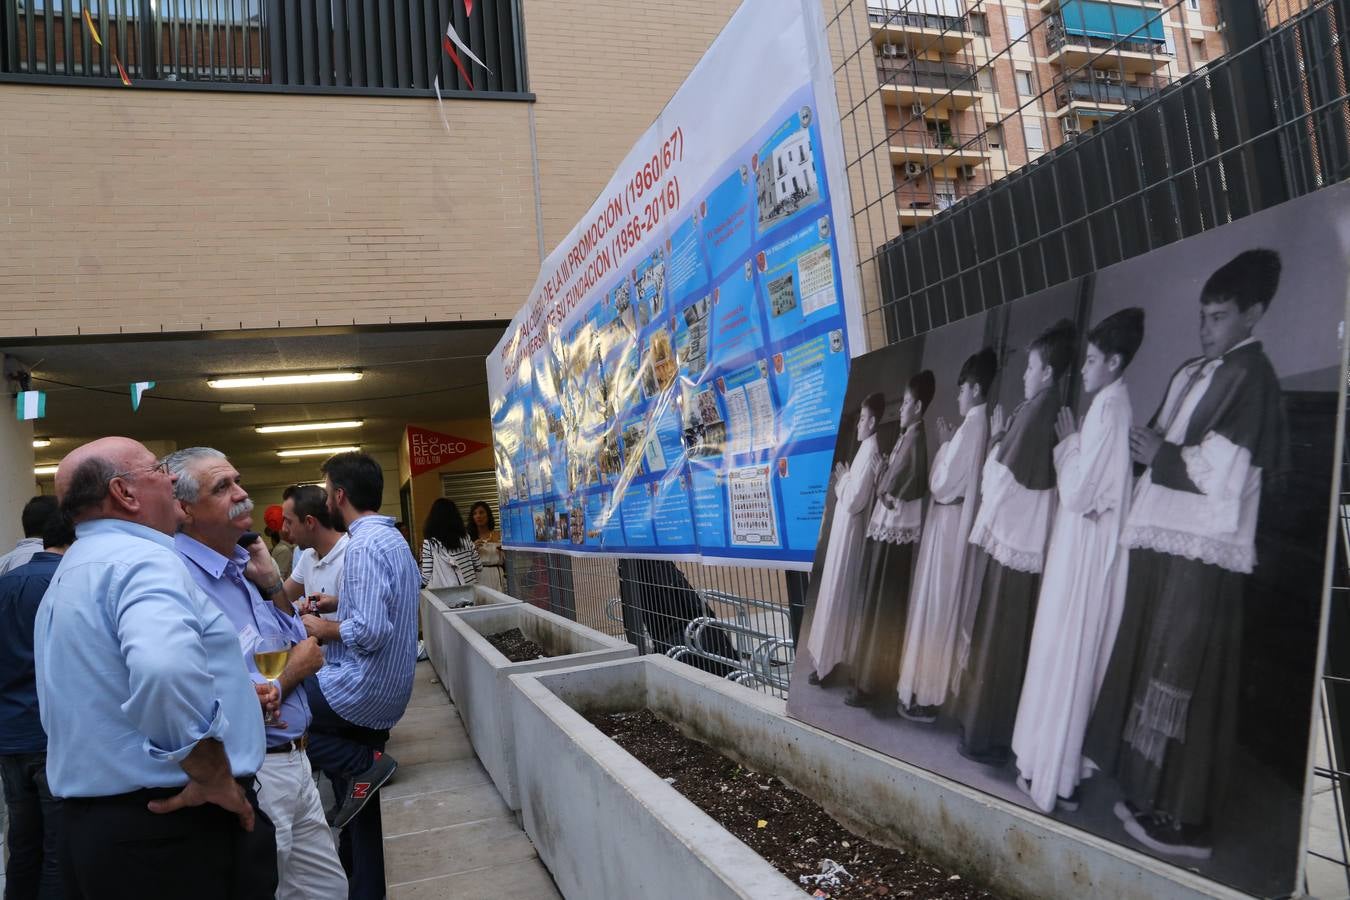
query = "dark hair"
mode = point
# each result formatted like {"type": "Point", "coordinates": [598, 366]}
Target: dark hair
{"type": "Point", "coordinates": [58, 531]}
{"type": "Point", "coordinates": [444, 524]}
{"type": "Point", "coordinates": [88, 487]}
{"type": "Point", "coordinates": [922, 387]}
{"type": "Point", "coordinates": [36, 512]}
{"type": "Point", "coordinates": [273, 536]}
{"type": "Point", "coordinates": [979, 369]}
{"type": "Point", "coordinates": [309, 500]}
{"type": "Point", "coordinates": [1055, 346]}
{"type": "Point", "coordinates": [473, 526]}
{"type": "Point", "coordinates": [875, 404]}
{"type": "Point", "coordinates": [1120, 333]}
{"type": "Point", "coordinates": [1247, 279]}
{"type": "Point", "coordinates": [359, 476]}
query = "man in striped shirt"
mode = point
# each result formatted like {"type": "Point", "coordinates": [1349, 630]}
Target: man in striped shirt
{"type": "Point", "coordinates": [370, 652]}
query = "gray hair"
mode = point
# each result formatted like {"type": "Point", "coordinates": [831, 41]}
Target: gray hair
{"type": "Point", "coordinates": [181, 463]}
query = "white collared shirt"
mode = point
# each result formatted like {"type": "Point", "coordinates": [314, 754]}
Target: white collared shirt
{"type": "Point", "coordinates": [320, 576]}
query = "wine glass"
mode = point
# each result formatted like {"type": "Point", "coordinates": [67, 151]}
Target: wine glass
{"type": "Point", "coordinates": [269, 655]}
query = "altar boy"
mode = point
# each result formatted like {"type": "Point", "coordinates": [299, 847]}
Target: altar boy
{"type": "Point", "coordinates": [1165, 719]}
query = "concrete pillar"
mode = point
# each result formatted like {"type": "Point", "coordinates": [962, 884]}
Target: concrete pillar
{"type": "Point", "coordinates": [17, 483]}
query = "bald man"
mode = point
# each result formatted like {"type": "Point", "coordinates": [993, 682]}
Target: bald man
{"type": "Point", "coordinates": [154, 728]}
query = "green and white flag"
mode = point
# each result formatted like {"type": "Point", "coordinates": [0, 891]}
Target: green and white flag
{"type": "Point", "coordinates": [137, 389]}
{"type": "Point", "coordinates": [30, 405]}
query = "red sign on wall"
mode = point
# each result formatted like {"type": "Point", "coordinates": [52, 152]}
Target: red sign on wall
{"type": "Point", "coordinates": [429, 450]}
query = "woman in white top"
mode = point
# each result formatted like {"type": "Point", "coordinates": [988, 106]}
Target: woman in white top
{"type": "Point", "coordinates": [448, 555]}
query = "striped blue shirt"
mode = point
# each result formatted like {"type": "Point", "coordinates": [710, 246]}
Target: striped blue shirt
{"type": "Point", "coordinates": [367, 676]}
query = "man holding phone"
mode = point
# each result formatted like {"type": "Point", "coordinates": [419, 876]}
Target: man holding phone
{"type": "Point", "coordinates": [318, 565]}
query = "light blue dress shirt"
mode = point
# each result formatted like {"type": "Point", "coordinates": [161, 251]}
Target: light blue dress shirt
{"type": "Point", "coordinates": [135, 666]}
{"type": "Point", "coordinates": [368, 675]}
{"type": "Point", "coordinates": [223, 581]}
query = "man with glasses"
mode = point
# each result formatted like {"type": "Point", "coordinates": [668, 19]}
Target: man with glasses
{"type": "Point", "coordinates": [218, 511]}
{"type": "Point", "coordinates": [154, 730]}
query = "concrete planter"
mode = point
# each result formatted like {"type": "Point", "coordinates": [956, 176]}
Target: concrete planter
{"type": "Point", "coordinates": [606, 826]}
{"type": "Point", "coordinates": [476, 674]}
{"type": "Point", "coordinates": [473, 596]}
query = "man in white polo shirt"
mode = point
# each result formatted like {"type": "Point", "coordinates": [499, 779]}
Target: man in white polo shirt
{"type": "Point", "coordinates": [318, 567]}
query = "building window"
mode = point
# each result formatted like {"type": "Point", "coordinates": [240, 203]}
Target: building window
{"type": "Point", "coordinates": [1169, 47]}
{"type": "Point", "coordinates": [1198, 49]}
{"type": "Point", "coordinates": [1023, 82]}
{"type": "Point", "coordinates": [1193, 5]}
{"type": "Point", "coordinates": [995, 134]}
{"type": "Point", "coordinates": [1017, 28]}
{"type": "Point", "coordinates": [985, 78]}
{"type": "Point", "coordinates": [978, 23]}
{"type": "Point", "coordinates": [1035, 139]}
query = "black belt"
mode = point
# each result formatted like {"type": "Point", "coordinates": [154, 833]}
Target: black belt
{"type": "Point", "coordinates": [298, 745]}
{"type": "Point", "coordinates": [144, 795]}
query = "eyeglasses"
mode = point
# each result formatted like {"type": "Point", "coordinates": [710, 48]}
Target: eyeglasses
{"type": "Point", "coordinates": [159, 465]}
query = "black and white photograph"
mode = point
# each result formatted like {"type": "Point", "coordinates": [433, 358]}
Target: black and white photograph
{"type": "Point", "coordinates": [1074, 549]}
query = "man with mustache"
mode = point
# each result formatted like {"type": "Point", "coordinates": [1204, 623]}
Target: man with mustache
{"type": "Point", "coordinates": [217, 513]}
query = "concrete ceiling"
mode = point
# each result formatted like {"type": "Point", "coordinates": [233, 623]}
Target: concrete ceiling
{"type": "Point", "coordinates": [424, 374]}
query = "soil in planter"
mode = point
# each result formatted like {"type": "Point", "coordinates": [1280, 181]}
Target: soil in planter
{"type": "Point", "coordinates": [515, 646]}
{"type": "Point", "coordinates": [792, 832]}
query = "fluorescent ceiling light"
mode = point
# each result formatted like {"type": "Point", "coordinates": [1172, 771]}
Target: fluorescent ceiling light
{"type": "Point", "coordinates": [39, 443]}
{"type": "Point", "coordinates": [307, 426]}
{"type": "Point", "coordinates": [44, 470]}
{"type": "Point", "coordinates": [248, 381]}
{"type": "Point", "coordinates": [316, 451]}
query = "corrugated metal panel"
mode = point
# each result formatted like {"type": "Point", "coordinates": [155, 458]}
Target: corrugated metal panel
{"type": "Point", "coordinates": [467, 488]}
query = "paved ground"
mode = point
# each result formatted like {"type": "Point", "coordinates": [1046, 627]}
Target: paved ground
{"type": "Point", "coordinates": [447, 832]}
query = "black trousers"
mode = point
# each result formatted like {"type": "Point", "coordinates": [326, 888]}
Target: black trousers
{"type": "Point", "coordinates": [33, 869]}
{"type": "Point", "coordinates": [116, 848]}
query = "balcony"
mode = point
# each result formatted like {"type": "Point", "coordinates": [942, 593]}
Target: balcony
{"type": "Point", "coordinates": [1096, 99]}
{"type": "Point", "coordinates": [1072, 51]}
{"type": "Point", "coordinates": [919, 31]}
{"type": "Point", "coordinates": [917, 204]}
{"type": "Point", "coordinates": [943, 150]}
{"type": "Point", "coordinates": [933, 84]}
{"type": "Point", "coordinates": [258, 45]}
{"type": "Point", "coordinates": [1050, 6]}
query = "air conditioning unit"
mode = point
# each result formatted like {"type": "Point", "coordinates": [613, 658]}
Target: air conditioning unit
{"type": "Point", "coordinates": [968, 173]}
{"type": "Point", "coordinates": [913, 169]}
{"type": "Point", "coordinates": [1101, 74]}
{"type": "Point", "coordinates": [890, 50]}
{"type": "Point", "coordinates": [1071, 133]}
{"type": "Point", "coordinates": [1113, 76]}
{"type": "Point", "coordinates": [1071, 123]}
{"type": "Point", "coordinates": [916, 110]}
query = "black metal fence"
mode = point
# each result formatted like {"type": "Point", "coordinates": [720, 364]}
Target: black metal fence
{"type": "Point", "coordinates": [339, 46]}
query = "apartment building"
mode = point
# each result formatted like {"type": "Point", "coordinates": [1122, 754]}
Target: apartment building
{"type": "Point", "coordinates": [973, 89]}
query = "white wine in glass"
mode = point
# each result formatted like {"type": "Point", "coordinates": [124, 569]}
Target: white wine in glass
{"type": "Point", "coordinates": [270, 655]}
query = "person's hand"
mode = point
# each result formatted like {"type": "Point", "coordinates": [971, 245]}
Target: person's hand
{"type": "Point", "coordinates": [269, 697]}
{"type": "Point", "coordinates": [306, 658]}
{"type": "Point", "coordinates": [1066, 424]}
{"type": "Point", "coordinates": [945, 430]}
{"type": "Point", "coordinates": [261, 569]}
{"type": "Point", "coordinates": [223, 791]}
{"type": "Point", "coordinates": [321, 629]}
{"type": "Point", "coordinates": [321, 603]}
{"type": "Point", "coordinates": [998, 422]}
{"type": "Point", "coordinates": [888, 500]}
{"type": "Point", "coordinates": [1144, 445]}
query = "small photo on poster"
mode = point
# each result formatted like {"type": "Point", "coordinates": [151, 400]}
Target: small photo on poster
{"type": "Point", "coordinates": [704, 431]}
{"type": "Point", "coordinates": [786, 175]}
{"type": "Point", "coordinates": [650, 279]}
{"type": "Point", "coordinates": [691, 337]}
{"type": "Point", "coordinates": [799, 280]}
{"type": "Point", "coordinates": [664, 364]}
{"type": "Point", "coordinates": [754, 520]}
{"type": "Point", "coordinates": [634, 435]}
{"type": "Point", "coordinates": [611, 461]}
{"type": "Point", "coordinates": [577, 522]}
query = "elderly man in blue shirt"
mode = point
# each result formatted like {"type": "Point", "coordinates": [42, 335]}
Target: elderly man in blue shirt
{"type": "Point", "coordinates": [218, 511]}
{"type": "Point", "coordinates": [370, 656]}
{"type": "Point", "coordinates": [154, 729]}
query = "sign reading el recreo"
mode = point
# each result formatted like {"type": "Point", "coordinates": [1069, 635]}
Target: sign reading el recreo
{"type": "Point", "coordinates": [429, 450]}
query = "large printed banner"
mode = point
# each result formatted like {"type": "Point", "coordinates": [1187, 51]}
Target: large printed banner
{"type": "Point", "coordinates": [673, 386]}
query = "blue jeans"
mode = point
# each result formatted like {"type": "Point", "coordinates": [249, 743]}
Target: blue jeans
{"type": "Point", "coordinates": [34, 829]}
{"type": "Point", "coordinates": [342, 750]}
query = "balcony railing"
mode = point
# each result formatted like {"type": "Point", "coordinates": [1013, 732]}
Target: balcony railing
{"type": "Point", "coordinates": [916, 20]}
{"type": "Point", "coordinates": [1095, 91]}
{"type": "Point", "coordinates": [1055, 38]}
{"type": "Point", "coordinates": [926, 73]}
{"type": "Point", "coordinates": [950, 142]}
{"type": "Point", "coordinates": [335, 46]}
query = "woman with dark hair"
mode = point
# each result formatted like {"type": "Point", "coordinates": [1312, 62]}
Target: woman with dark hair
{"type": "Point", "coordinates": [487, 540]}
{"type": "Point", "coordinates": [448, 555]}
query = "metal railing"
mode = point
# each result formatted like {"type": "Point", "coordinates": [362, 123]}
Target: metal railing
{"type": "Point", "coordinates": [341, 46]}
{"type": "Point", "coordinates": [928, 139]}
{"type": "Point", "coordinates": [1097, 91]}
{"type": "Point", "coordinates": [925, 73]}
{"type": "Point", "coordinates": [1056, 38]}
{"type": "Point", "coordinates": [916, 20]}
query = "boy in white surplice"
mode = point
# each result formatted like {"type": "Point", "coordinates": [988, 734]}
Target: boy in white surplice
{"type": "Point", "coordinates": [839, 591]}
{"type": "Point", "coordinates": [1083, 586]}
{"type": "Point", "coordinates": [1166, 715]}
{"type": "Point", "coordinates": [954, 486]}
